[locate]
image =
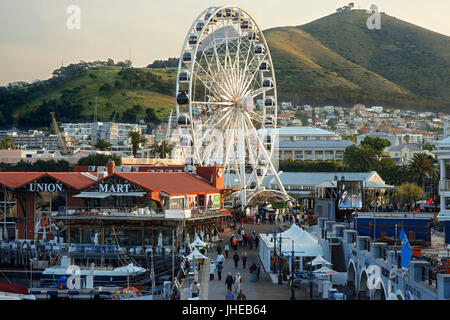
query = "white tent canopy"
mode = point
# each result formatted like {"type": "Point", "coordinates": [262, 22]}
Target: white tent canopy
{"type": "Point", "coordinates": [198, 243]}
{"type": "Point", "coordinates": [305, 245]}
{"type": "Point", "coordinates": [320, 261]}
{"type": "Point", "coordinates": [196, 255]}
{"type": "Point", "coordinates": [324, 270]}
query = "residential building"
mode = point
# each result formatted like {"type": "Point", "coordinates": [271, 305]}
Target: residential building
{"type": "Point", "coordinates": [307, 143]}
{"type": "Point", "coordinates": [383, 135]}
{"type": "Point", "coordinates": [403, 152]}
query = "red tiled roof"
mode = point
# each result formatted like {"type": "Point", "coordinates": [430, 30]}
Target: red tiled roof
{"type": "Point", "coordinates": [75, 180]}
{"type": "Point", "coordinates": [18, 179]}
{"type": "Point", "coordinates": [172, 183]}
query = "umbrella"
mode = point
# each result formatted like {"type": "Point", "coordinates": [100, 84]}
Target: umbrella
{"type": "Point", "coordinates": [160, 240]}
{"type": "Point", "coordinates": [319, 261]}
{"type": "Point", "coordinates": [325, 270]}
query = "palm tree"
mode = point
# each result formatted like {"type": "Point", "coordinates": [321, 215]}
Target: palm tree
{"type": "Point", "coordinates": [102, 145]}
{"type": "Point", "coordinates": [136, 140]}
{"type": "Point", "coordinates": [7, 143]}
{"type": "Point", "coordinates": [420, 165]}
{"type": "Point", "coordinates": [360, 158]}
{"type": "Point", "coordinates": [163, 149]}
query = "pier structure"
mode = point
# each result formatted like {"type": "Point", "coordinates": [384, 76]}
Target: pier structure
{"type": "Point", "coordinates": [373, 266]}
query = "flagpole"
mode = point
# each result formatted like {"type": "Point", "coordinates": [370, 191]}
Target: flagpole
{"type": "Point", "coordinates": [395, 245]}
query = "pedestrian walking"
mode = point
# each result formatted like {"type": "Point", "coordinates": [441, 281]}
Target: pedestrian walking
{"type": "Point", "coordinates": [253, 271]}
{"type": "Point", "coordinates": [229, 295]}
{"type": "Point", "coordinates": [245, 239]}
{"type": "Point", "coordinates": [256, 242]}
{"type": "Point", "coordinates": [195, 290]}
{"type": "Point", "coordinates": [244, 259]}
{"type": "Point", "coordinates": [234, 243]}
{"type": "Point", "coordinates": [229, 281]}
{"type": "Point", "coordinates": [212, 270]}
{"type": "Point", "coordinates": [226, 249]}
{"type": "Point", "coordinates": [220, 258]}
{"type": "Point", "coordinates": [258, 271]}
{"type": "Point", "coordinates": [219, 268]}
{"type": "Point", "coordinates": [241, 296]}
{"type": "Point", "coordinates": [236, 259]}
{"type": "Point", "coordinates": [292, 286]}
{"type": "Point", "coordinates": [237, 282]}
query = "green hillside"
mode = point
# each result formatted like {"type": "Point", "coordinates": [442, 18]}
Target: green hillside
{"type": "Point", "coordinates": [414, 58]}
{"type": "Point", "coordinates": [307, 71]}
{"type": "Point", "coordinates": [125, 94]}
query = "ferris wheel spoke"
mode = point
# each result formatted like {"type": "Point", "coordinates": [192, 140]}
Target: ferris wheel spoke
{"type": "Point", "coordinates": [215, 82]}
{"type": "Point", "coordinates": [259, 91]}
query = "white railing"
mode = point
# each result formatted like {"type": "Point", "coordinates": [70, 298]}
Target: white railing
{"type": "Point", "coordinates": [139, 212]}
{"type": "Point", "coordinates": [409, 215]}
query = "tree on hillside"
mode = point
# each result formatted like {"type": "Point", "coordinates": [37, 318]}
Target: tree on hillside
{"type": "Point", "coordinates": [8, 144]}
{"type": "Point", "coordinates": [150, 115]}
{"type": "Point", "coordinates": [131, 114]}
{"type": "Point", "coordinates": [377, 144]}
{"type": "Point", "coordinates": [360, 158]}
{"type": "Point", "coordinates": [409, 192]}
{"type": "Point", "coordinates": [99, 160]}
{"type": "Point", "coordinates": [420, 165]}
{"type": "Point", "coordinates": [162, 149]}
{"type": "Point", "coordinates": [102, 145]}
{"type": "Point", "coordinates": [136, 140]}
{"type": "Point", "coordinates": [393, 174]}
{"type": "Point", "coordinates": [406, 138]}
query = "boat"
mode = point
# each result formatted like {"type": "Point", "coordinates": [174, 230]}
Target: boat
{"type": "Point", "coordinates": [57, 276]}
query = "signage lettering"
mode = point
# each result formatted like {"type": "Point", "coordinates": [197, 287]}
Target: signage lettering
{"type": "Point", "coordinates": [113, 187]}
{"type": "Point", "coordinates": [45, 187]}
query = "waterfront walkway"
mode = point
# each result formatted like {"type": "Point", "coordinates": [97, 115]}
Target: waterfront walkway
{"type": "Point", "coordinates": [263, 289]}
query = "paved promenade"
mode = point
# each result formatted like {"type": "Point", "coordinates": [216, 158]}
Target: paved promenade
{"type": "Point", "coordinates": [263, 289]}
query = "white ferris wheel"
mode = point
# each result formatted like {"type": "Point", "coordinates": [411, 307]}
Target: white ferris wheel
{"type": "Point", "coordinates": [227, 98]}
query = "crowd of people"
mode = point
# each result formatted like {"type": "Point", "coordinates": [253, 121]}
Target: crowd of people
{"type": "Point", "coordinates": [239, 244]}
{"type": "Point", "coordinates": [300, 216]}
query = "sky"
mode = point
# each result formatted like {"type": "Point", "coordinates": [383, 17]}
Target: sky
{"type": "Point", "coordinates": [35, 39]}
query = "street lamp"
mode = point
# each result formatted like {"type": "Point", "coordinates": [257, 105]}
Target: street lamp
{"type": "Point", "coordinates": [280, 278]}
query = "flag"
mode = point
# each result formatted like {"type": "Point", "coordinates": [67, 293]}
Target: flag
{"type": "Point", "coordinates": [406, 249]}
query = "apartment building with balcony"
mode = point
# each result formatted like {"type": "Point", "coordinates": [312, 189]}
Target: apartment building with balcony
{"type": "Point", "coordinates": [307, 143]}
